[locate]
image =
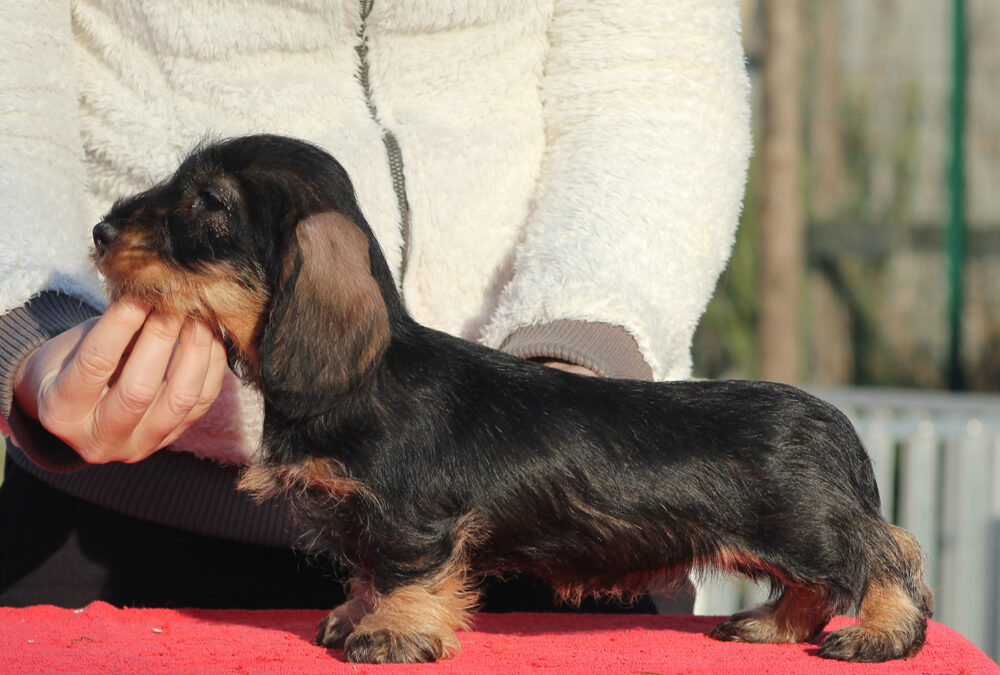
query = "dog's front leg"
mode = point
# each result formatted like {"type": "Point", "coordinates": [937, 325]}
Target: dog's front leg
{"type": "Point", "coordinates": [412, 623]}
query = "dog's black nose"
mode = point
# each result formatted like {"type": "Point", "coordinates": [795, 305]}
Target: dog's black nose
{"type": "Point", "coordinates": [104, 234]}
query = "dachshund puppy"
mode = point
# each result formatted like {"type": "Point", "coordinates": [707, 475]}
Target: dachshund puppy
{"type": "Point", "coordinates": [425, 462]}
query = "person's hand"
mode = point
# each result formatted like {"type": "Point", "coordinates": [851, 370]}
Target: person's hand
{"type": "Point", "coordinates": [568, 367]}
{"type": "Point", "coordinates": [123, 385]}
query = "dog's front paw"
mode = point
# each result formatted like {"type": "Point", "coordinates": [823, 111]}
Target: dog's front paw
{"type": "Point", "coordinates": [333, 630]}
{"type": "Point", "coordinates": [384, 646]}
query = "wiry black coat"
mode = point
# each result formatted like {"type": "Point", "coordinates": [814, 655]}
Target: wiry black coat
{"type": "Point", "coordinates": [426, 461]}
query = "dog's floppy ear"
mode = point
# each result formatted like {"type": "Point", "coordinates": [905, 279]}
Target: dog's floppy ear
{"type": "Point", "coordinates": [329, 323]}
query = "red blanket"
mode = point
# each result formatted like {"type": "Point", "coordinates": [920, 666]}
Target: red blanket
{"type": "Point", "coordinates": [102, 638]}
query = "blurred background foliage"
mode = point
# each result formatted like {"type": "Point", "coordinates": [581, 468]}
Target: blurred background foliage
{"type": "Point", "coordinates": [873, 150]}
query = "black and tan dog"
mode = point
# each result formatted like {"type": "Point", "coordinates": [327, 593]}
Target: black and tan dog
{"type": "Point", "coordinates": [426, 462]}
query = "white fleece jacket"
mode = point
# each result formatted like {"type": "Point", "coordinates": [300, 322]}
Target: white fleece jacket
{"type": "Point", "coordinates": [560, 159]}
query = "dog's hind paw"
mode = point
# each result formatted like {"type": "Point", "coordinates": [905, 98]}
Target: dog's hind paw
{"type": "Point", "coordinates": [856, 643]}
{"type": "Point", "coordinates": [745, 628]}
{"type": "Point", "coordinates": [383, 646]}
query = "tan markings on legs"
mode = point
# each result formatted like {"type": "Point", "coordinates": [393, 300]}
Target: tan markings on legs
{"type": "Point", "coordinates": [412, 624]}
{"type": "Point", "coordinates": [891, 627]}
{"type": "Point", "coordinates": [417, 622]}
{"type": "Point", "coordinates": [894, 611]}
{"type": "Point", "coordinates": [911, 564]}
{"type": "Point", "coordinates": [264, 481]}
{"type": "Point", "coordinates": [798, 615]}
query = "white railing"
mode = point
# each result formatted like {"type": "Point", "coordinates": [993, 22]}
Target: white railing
{"type": "Point", "coordinates": [937, 462]}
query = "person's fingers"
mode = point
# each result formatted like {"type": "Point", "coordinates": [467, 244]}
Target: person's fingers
{"type": "Point", "coordinates": [127, 401]}
{"type": "Point", "coordinates": [35, 374]}
{"type": "Point", "coordinates": [77, 387]}
{"type": "Point", "coordinates": [211, 386]}
{"type": "Point", "coordinates": [180, 393]}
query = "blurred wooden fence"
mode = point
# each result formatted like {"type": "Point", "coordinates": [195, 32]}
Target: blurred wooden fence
{"type": "Point", "coordinates": [937, 461]}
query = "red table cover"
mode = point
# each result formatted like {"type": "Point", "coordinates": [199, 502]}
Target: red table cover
{"type": "Point", "coordinates": [103, 638]}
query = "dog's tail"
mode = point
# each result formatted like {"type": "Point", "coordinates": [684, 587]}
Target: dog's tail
{"type": "Point", "coordinates": [894, 610]}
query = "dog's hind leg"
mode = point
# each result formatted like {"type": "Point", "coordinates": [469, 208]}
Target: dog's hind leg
{"type": "Point", "coordinates": [412, 623]}
{"type": "Point", "coordinates": [893, 612]}
{"type": "Point", "coordinates": [796, 616]}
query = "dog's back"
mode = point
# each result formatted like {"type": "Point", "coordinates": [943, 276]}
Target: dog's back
{"type": "Point", "coordinates": [613, 486]}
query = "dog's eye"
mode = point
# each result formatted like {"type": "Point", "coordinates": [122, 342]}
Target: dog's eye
{"type": "Point", "coordinates": [209, 200]}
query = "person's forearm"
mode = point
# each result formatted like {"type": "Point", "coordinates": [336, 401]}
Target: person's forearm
{"type": "Point", "coordinates": [648, 137]}
{"type": "Point", "coordinates": [609, 351]}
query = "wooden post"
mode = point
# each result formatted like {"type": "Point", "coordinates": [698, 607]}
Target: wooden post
{"type": "Point", "coordinates": [782, 226]}
{"type": "Point", "coordinates": [830, 349]}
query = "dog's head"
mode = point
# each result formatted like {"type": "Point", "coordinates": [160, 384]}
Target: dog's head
{"type": "Point", "coordinates": [262, 238]}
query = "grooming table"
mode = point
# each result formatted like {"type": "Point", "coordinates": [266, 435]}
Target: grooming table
{"type": "Point", "coordinates": [103, 638]}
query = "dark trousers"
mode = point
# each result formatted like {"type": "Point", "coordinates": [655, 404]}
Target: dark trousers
{"type": "Point", "coordinates": [59, 550]}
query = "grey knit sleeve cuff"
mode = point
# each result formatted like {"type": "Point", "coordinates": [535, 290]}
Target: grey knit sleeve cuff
{"type": "Point", "coordinates": [21, 332]}
{"type": "Point", "coordinates": [608, 350]}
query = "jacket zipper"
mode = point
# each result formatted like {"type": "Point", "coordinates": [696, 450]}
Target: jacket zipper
{"type": "Point", "coordinates": [393, 153]}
